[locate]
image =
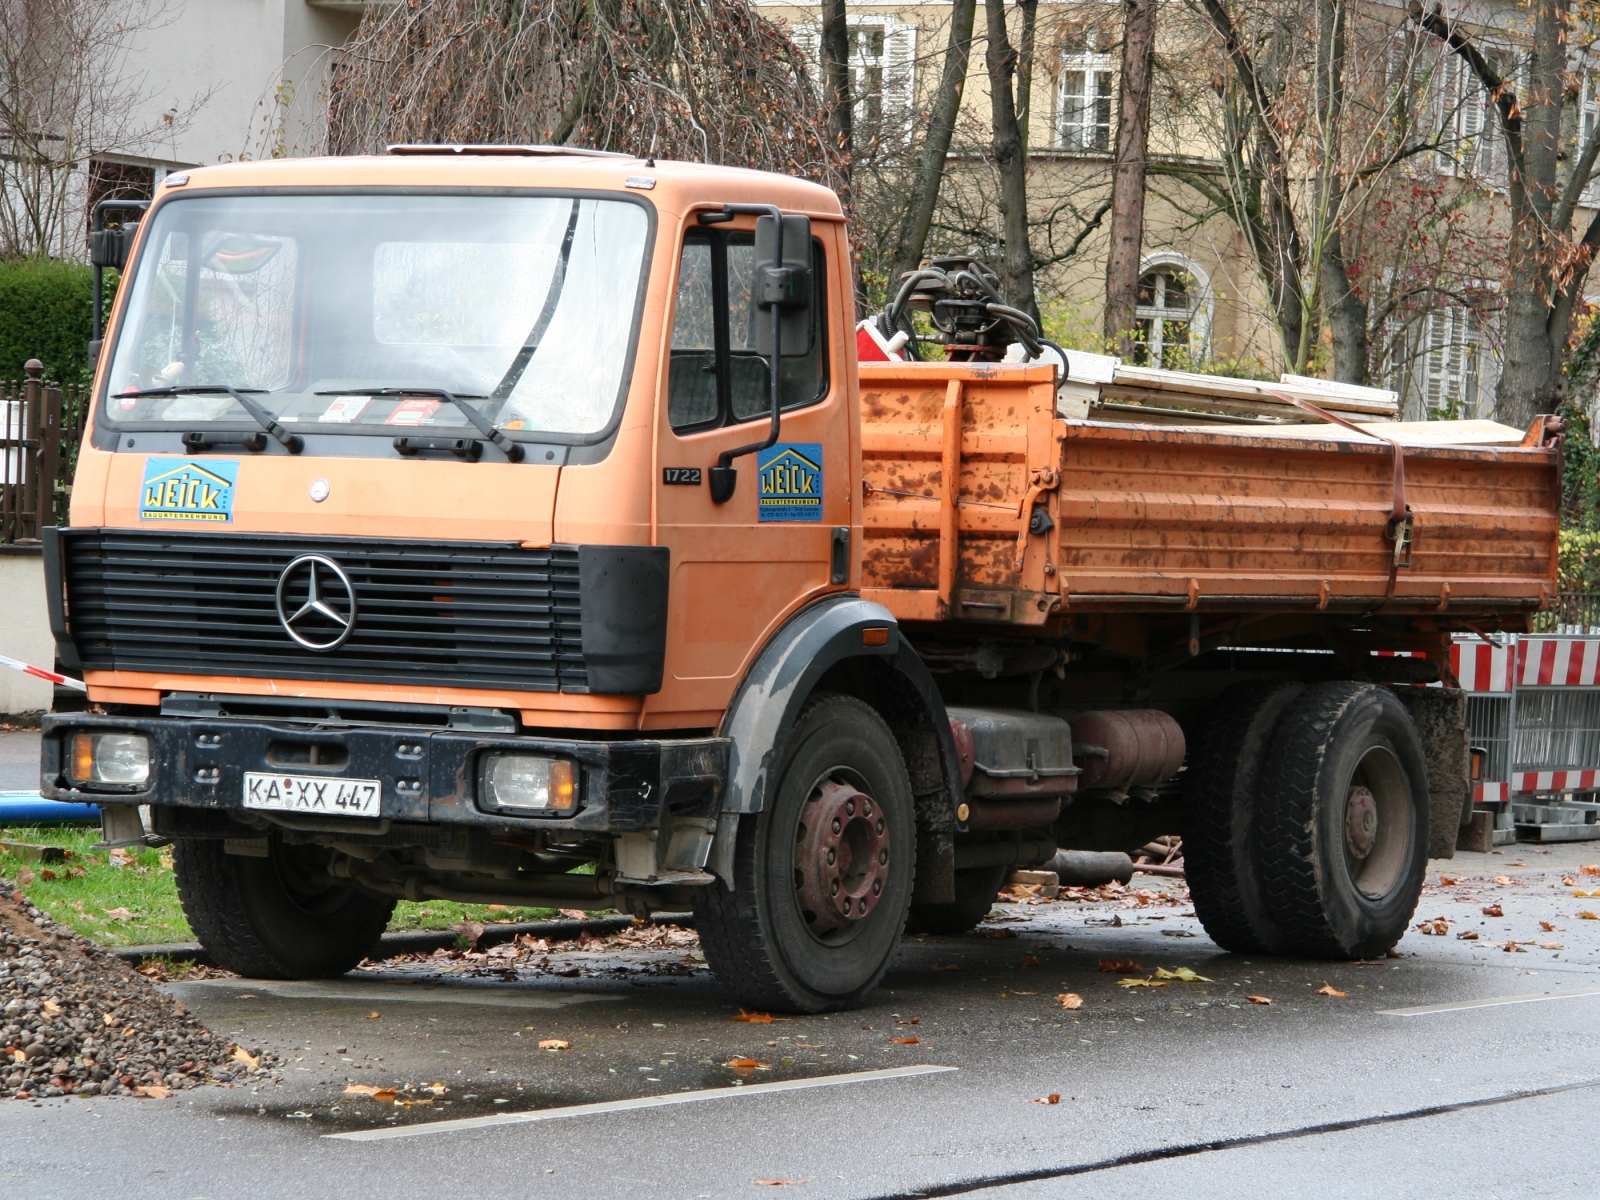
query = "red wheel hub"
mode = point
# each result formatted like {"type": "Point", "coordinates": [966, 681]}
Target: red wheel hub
{"type": "Point", "coordinates": [841, 856]}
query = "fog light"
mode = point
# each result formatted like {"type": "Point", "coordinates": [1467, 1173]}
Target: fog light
{"type": "Point", "coordinates": [121, 759]}
{"type": "Point", "coordinates": [529, 785]}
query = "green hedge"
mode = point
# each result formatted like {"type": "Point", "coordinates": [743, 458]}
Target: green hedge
{"type": "Point", "coordinates": [45, 306]}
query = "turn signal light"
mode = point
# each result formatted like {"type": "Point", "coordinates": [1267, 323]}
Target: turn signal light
{"type": "Point", "coordinates": [875, 637]}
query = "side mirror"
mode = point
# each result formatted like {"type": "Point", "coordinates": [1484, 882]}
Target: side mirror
{"type": "Point", "coordinates": [109, 247]}
{"type": "Point", "coordinates": [784, 281]}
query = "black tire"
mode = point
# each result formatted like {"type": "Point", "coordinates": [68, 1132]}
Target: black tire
{"type": "Point", "coordinates": [1219, 816]}
{"type": "Point", "coordinates": [976, 888]}
{"type": "Point", "coordinates": [757, 937]}
{"type": "Point", "coordinates": [277, 917]}
{"type": "Point", "coordinates": [1328, 899]}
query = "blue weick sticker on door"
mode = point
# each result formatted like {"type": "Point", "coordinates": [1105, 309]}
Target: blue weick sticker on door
{"type": "Point", "coordinates": [180, 489]}
{"type": "Point", "coordinates": [789, 482]}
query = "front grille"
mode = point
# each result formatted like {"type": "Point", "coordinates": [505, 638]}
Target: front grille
{"type": "Point", "coordinates": [444, 614]}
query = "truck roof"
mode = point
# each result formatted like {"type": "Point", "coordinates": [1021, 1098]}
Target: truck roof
{"type": "Point", "coordinates": [673, 187]}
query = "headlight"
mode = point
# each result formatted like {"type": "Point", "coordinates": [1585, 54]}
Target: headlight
{"type": "Point", "coordinates": [122, 759]}
{"type": "Point", "coordinates": [529, 785]}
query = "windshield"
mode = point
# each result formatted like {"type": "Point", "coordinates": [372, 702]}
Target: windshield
{"type": "Point", "coordinates": [523, 306]}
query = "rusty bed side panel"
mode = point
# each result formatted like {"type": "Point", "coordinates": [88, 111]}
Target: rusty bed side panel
{"type": "Point", "coordinates": [1163, 517]}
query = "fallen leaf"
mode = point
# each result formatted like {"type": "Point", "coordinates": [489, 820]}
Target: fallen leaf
{"type": "Point", "coordinates": [470, 932]}
{"type": "Point", "coordinates": [1184, 974]}
{"type": "Point", "coordinates": [25, 876]}
{"type": "Point", "coordinates": [1028, 960]}
{"type": "Point", "coordinates": [778, 1182]}
{"type": "Point", "coordinates": [1394, 954]}
{"type": "Point", "coordinates": [1052, 1098]}
{"type": "Point", "coordinates": [1547, 927]}
{"type": "Point", "coordinates": [499, 908]}
{"type": "Point", "coordinates": [438, 1089]}
{"type": "Point", "coordinates": [908, 1021]}
{"type": "Point", "coordinates": [1568, 880]}
{"type": "Point", "coordinates": [574, 914]}
{"type": "Point", "coordinates": [1122, 966]}
{"type": "Point", "coordinates": [361, 1089]}
{"type": "Point", "coordinates": [385, 1095]}
{"type": "Point", "coordinates": [1590, 869]}
{"type": "Point", "coordinates": [1448, 881]}
{"type": "Point", "coordinates": [745, 1065]}
{"type": "Point", "coordinates": [1437, 927]}
{"type": "Point", "coordinates": [1070, 1000]}
{"type": "Point", "coordinates": [47, 873]}
{"type": "Point", "coordinates": [1142, 983]}
{"type": "Point", "coordinates": [118, 914]}
{"type": "Point", "coordinates": [153, 1090]}
{"type": "Point", "coordinates": [911, 1041]}
{"type": "Point", "coordinates": [1550, 946]}
{"type": "Point", "coordinates": [1581, 892]}
{"type": "Point", "coordinates": [373, 1015]}
{"type": "Point", "coordinates": [109, 1019]}
{"type": "Point", "coordinates": [241, 1055]}
{"type": "Point", "coordinates": [1467, 935]}
{"type": "Point", "coordinates": [753, 1018]}
{"type": "Point", "coordinates": [119, 858]}
{"type": "Point", "coordinates": [1588, 916]}
{"type": "Point", "coordinates": [555, 1044]}
{"type": "Point", "coordinates": [1493, 910]}
{"type": "Point", "coordinates": [51, 1008]}
{"type": "Point", "coordinates": [1502, 879]}
{"type": "Point", "coordinates": [1328, 989]}
{"type": "Point", "coordinates": [1259, 999]}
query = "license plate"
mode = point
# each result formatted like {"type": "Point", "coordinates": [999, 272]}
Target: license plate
{"type": "Point", "coordinates": [313, 794]}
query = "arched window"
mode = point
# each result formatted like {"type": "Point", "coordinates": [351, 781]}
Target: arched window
{"type": "Point", "coordinates": [1171, 316]}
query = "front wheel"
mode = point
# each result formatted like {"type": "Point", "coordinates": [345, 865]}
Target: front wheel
{"type": "Point", "coordinates": [823, 874]}
{"type": "Point", "coordinates": [278, 917]}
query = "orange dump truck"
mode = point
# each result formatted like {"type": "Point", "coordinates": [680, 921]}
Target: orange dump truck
{"type": "Point", "coordinates": [442, 529]}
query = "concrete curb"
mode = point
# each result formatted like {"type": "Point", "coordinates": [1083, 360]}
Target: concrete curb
{"type": "Point", "coordinates": [426, 941]}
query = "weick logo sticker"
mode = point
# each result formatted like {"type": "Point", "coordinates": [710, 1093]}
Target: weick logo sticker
{"type": "Point", "coordinates": [789, 482]}
{"type": "Point", "coordinates": [177, 489]}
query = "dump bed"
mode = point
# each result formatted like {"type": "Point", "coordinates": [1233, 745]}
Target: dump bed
{"type": "Point", "coordinates": [1049, 514]}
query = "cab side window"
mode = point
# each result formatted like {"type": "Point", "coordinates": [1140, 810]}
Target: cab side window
{"type": "Point", "coordinates": [717, 376]}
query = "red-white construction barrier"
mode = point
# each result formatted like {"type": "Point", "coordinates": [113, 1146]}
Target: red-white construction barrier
{"type": "Point", "coordinates": [1558, 662]}
{"type": "Point", "coordinates": [41, 673]}
{"type": "Point", "coordinates": [1482, 667]}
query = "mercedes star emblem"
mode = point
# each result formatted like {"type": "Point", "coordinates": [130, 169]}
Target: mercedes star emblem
{"type": "Point", "coordinates": [317, 621]}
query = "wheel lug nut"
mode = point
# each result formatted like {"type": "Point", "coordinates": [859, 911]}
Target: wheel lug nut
{"type": "Point", "coordinates": [830, 857]}
{"type": "Point", "coordinates": [880, 827]}
{"type": "Point", "coordinates": [850, 807]}
{"type": "Point", "coordinates": [866, 808]}
{"type": "Point", "coordinates": [883, 858]}
{"type": "Point", "coordinates": [847, 906]}
{"type": "Point", "coordinates": [877, 886]}
{"type": "Point", "coordinates": [833, 888]}
{"type": "Point", "coordinates": [836, 826]}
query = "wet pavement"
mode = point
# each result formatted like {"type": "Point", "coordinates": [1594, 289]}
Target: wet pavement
{"type": "Point", "coordinates": [1463, 1065]}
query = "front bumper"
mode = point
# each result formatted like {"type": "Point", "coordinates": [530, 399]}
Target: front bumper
{"type": "Point", "coordinates": [427, 775]}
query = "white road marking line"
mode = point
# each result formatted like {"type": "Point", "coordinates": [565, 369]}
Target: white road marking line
{"type": "Point", "coordinates": [611, 1106]}
{"type": "Point", "coordinates": [1423, 1010]}
{"type": "Point", "coordinates": [490, 996]}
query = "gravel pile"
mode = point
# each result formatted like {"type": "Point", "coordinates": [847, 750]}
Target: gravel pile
{"type": "Point", "coordinates": [75, 1020]}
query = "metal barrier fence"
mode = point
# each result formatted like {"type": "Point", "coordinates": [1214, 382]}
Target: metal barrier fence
{"type": "Point", "coordinates": [41, 425]}
{"type": "Point", "coordinates": [1571, 612]}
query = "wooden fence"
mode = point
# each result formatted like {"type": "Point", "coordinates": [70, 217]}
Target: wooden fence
{"type": "Point", "coordinates": [41, 425]}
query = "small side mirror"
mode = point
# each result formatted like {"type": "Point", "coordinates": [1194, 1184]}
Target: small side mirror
{"type": "Point", "coordinates": [784, 281]}
{"type": "Point", "coordinates": [109, 247]}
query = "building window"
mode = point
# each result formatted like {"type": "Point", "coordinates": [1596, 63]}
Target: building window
{"type": "Point", "coordinates": [1452, 347]}
{"type": "Point", "coordinates": [882, 73]}
{"type": "Point", "coordinates": [1083, 98]}
{"type": "Point", "coordinates": [1169, 315]}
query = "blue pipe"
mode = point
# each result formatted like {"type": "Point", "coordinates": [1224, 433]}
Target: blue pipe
{"type": "Point", "coordinates": [29, 808]}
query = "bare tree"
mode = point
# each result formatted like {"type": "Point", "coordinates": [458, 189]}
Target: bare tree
{"type": "Point", "coordinates": [705, 80]}
{"type": "Point", "coordinates": [67, 95]}
{"type": "Point", "coordinates": [1128, 171]}
{"type": "Point", "coordinates": [1011, 152]}
{"type": "Point", "coordinates": [1548, 168]}
{"type": "Point", "coordinates": [930, 167]}
{"type": "Point", "coordinates": [835, 47]}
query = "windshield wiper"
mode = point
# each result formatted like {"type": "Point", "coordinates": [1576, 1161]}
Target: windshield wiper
{"type": "Point", "coordinates": [552, 298]}
{"type": "Point", "coordinates": [292, 442]}
{"type": "Point", "coordinates": [481, 423]}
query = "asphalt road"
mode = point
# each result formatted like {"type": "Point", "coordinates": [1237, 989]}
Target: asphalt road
{"type": "Point", "coordinates": [19, 760]}
{"type": "Point", "coordinates": [1190, 1089]}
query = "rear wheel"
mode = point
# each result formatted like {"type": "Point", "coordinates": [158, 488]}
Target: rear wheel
{"type": "Point", "coordinates": [279, 917]}
{"type": "Point", "coordinates": [1219, 816]}
{"type": "Point", "coordinates": [976, 888]}
{"type": "Point", "coordinates": [1343, 824]}
{"type": "Point", "coordinates": [823, 874]}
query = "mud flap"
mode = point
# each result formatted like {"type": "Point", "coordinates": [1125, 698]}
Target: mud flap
{"type": "Point", "coordinates": [1440, 715]}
